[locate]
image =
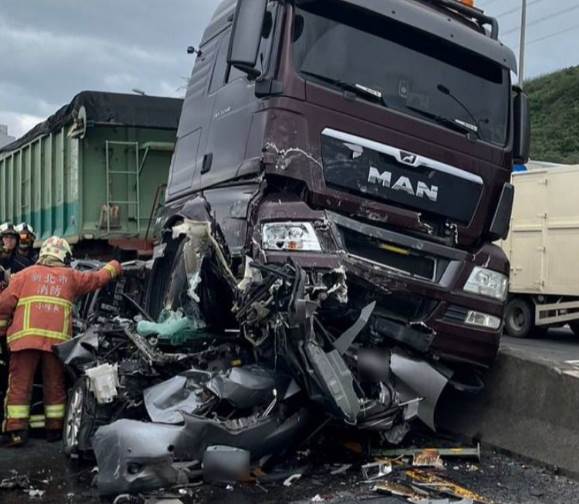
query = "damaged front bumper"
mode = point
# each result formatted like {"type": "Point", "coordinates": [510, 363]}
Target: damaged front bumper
{"type": "Point", "coordinates": [419, 285]}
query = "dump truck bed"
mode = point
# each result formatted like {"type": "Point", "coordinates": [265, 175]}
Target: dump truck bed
{"type": "Point", "coordinates": [95, 170]}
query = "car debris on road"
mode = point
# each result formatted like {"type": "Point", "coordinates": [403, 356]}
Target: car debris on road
{"type": "Point", "coordinates": [216, 402]}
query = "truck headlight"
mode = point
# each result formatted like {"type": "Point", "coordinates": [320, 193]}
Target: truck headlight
{"type": "Point", "coordinates": [479, 319]}
{"type": "Point", "coordinates": [487, 283]}
{"type": "Point", "coordinates": [292, 236]}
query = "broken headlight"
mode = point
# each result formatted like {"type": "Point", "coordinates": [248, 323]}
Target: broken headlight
{"type": "Point", "coordinates": [292, 236]}
{"type": "Point", "coordinates": [487, 283]}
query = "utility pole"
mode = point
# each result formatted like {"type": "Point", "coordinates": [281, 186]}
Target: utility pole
{"type": "Point", "coordinates": [522, 44]}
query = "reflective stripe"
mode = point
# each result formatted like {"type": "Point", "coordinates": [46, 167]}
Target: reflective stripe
{"type": "Point", "coordinates": [54, 411]}
{"type": "Point", "coordinates": [43, 333]}
{"type": "Point", "coordinates": [27, 303]}
{"type": "Point", "coordinates": [40, 424]}
{"type": "Point", "coordinates": [45, 299]}
{"type": "Point", "coordinates": [111, 269]}
{"type": "Point", "coordinates": [18, 411]}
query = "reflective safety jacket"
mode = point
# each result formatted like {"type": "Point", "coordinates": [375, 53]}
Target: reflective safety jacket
{"type": "Point", "coordinates": [37, 305]}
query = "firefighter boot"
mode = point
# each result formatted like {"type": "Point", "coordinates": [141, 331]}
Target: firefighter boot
{"type": "Point", "coordinates": [16, 439]}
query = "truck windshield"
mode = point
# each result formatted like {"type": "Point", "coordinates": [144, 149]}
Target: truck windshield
{"type": "Point", "coordinates": [402, 68]}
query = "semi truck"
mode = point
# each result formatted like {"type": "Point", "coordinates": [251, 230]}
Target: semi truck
{"type": "Point", "coordinates": [542, 247]}
{"type": "Point", "coordinates": [93, 172]}
{"type": "Point", "coordinates": [369, 139]}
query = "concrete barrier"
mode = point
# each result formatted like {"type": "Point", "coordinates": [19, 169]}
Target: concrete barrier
{"type": "Point", "coordinates": [530, 408]}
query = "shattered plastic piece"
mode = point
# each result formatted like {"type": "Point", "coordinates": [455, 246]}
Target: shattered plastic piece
{"type": "Point", "coordinates": [165, 401]}
{"type": "Point", "coordinates": [200, 240]}
{"type": "Point", "coordinates": [419, 379]}
{"type": "Point", "coordinates": [127, 464]}
{"type": "Point", "coordinates": [224, 464]}
{"type": "Point", "coordinates": [376, 470]}
{"type": "Point", "coordinates": [245, 387]}
{"type": "Point", "coordinates": [290, 480]}
{"type": "Point", "coordinates": [347, 338]}
{"type": "Point", "coordinates": [337, 380]}
{"type": "Point", "coordinates": [104, 380]}
{"type": "Point", "coordinates": [318, 498]}
{"type": "Point", "coordinates": [250, 275]}
{"type": "Point", "coordinates": [429, 481]}
{"type": "Point", "coordinates": [80, 350]}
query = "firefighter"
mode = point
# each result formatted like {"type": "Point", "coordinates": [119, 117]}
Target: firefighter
{"type": "Point", "coordinates": [12, 261]}
{"type": "Point", "coordinates": [26, 242]}
{"type": "Point", "coordinates": [36, 309]}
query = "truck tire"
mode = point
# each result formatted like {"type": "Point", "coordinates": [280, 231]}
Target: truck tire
{"type": "Point", "coordinates": [519, 320]}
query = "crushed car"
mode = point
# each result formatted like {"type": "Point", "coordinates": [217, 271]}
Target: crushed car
{"type": "Point", "coordinates": [171, 381]}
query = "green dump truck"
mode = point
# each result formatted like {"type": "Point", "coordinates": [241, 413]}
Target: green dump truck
{"type": "Point", "coordinates": [94, 172]}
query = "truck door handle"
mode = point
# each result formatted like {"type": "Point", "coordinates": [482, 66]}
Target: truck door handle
{"type": "Point", "coordinates": [207, 162]}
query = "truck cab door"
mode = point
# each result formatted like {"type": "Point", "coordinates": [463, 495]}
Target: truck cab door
{"type": "Point", "coordinates": [194, 125]}
{"type": "Point", "coordinates": [233, 104]}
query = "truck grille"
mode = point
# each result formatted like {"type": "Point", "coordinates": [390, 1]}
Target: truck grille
{"type": "Point", "coordinates": [389, 255]}
{"type": "Point", "coordinates": [455, 314]}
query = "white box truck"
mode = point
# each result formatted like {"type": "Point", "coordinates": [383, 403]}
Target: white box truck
{"type": "Point", "coordinates": [543, 248]}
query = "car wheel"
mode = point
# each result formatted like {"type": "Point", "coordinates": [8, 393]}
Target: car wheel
{"type": "Point", "coordinates": [518, 318]}
{"type": "Point", "coordinates": [78, 420]}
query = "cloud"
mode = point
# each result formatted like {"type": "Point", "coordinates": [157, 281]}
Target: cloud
{"type": "Point", "coordinates": [18, 124]}
{"type": "Point", "coordinates": [58, 48]}
{"type": "Point", "coordinates": [53, 49]}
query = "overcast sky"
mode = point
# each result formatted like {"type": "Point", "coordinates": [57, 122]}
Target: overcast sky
{"type": "Point", "coordinates": [52, 49]}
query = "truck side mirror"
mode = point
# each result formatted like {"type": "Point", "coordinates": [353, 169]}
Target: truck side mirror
{"type": "Point", "coordinates": [246, 35]}
{"type": "Point", "coordinates": [522, 127]}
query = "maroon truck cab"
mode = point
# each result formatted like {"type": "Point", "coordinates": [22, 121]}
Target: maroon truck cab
{"type": "Point", "coordinates": [370, 138]}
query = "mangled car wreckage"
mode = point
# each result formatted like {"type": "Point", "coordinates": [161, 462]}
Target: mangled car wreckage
{"type": "Point", "coordinates": [279, 353]}
{"type": "Point", "coordinates": [325, 250]}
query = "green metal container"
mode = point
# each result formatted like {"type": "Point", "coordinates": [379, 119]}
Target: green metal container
{"type": "Point", "coordinates": [94, 171]}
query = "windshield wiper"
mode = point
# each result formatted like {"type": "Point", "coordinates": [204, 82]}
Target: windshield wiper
{"type": "Point", "coordinates": [357, 89]}
{"type": "Point", "coordinates": [444, 121]}
{"type": "Point", "coordinates": [444, 90]}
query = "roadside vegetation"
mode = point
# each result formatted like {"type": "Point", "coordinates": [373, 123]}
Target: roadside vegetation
{"type": "Point", "coordinates": [554, 102]}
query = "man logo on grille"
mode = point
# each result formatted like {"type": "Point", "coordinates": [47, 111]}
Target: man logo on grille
{"type": "Point", "coordinates": [408, 158]}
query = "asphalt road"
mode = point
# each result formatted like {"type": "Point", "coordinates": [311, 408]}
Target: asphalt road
{"type": "Point", "coordinates": [559, 346]}
{"type": "Point", "coordinates": [498, 478]}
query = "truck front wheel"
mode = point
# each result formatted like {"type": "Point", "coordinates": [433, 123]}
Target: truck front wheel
{"type": "Point", "coordinates": [519, 318]}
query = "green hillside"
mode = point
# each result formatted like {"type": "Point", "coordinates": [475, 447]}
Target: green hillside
{"type": "Point", "coordinates": [555, 116]}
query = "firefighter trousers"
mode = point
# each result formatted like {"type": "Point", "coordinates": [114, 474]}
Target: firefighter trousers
{"type": "Point", "coordinates": [23, 365]}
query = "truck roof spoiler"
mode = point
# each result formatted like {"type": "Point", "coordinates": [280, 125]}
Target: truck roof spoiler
{"type": "Point", "coordinates": [479, 16]}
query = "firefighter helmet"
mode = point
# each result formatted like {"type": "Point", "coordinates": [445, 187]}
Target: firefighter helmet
{"type": "Point", "coordinates": [27, 235]}
{"type": "Point", "coordinates": [56, 247]}
{"type": "Point", "coordinates": [8, 229]}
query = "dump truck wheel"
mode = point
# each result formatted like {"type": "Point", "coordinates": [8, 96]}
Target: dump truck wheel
{"type": "Point", "coordinates": [519, 321]}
